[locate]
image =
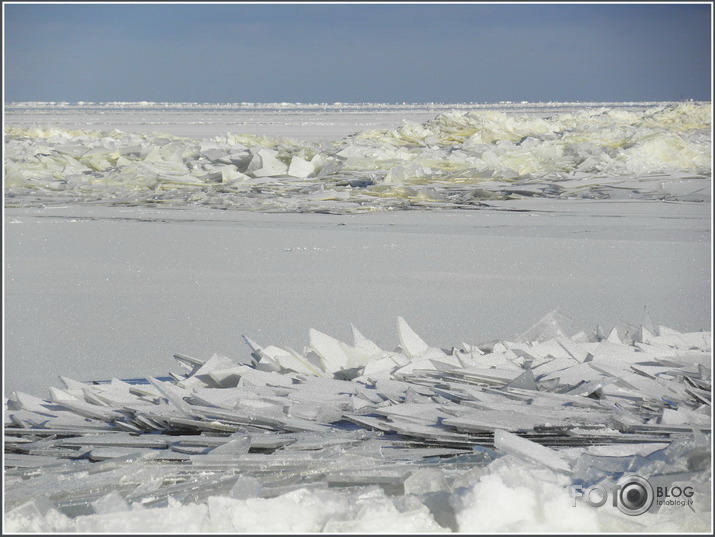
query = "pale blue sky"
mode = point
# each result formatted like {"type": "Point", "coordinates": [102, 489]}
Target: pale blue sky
{"type": "Point", "coordinates": [357, 53]}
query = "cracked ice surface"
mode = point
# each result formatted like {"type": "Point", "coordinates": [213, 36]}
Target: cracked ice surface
{"type": "Point", "coordinates": [349, 437]}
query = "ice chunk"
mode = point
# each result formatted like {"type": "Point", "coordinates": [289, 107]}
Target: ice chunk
{"type": "Point", "coordinates": [237, 445]}
{"type": "Point", "coordinates": [485, 421]}
{"type": "Point", "coordinates": [426, 480]}
{"type": "Point", "coordinates": [552, 325]}
{"type": "Point", "coordinates": [331, 351]}
{"type": "Point", "coordinates": [576, 351]}
{"type": "Point", "coordinates": [217, 371]}
{"type": "Point", "coordinates": [526, 449]}
{"type": "Point", "coordinates": [105, 453]}
{"type": "Point", "coordinates": [412, 345]}
{"type": "Point", "coordinates": [643, 335]}
{"type": "Point", "coordinates": [574, 375]}
{"type": "Point", "coordinates": [36, 516]}
{"type": "Point", "coordinates": [246, 487]}
{"type": "Point", "coordinates": [25, 401]}
{"type": "Point", "coordinates": [683, 416]}
{"type": "Point", "coordinates": [402, 174]}
{"type": "Point", "coordinates": [174, 395]}
{"type": "Point", "coordinates": [273, 358]}
{"type": "Point", "coordinates": [613, 337]}
{"type": "Point", "coordinates": [410, 342]}
{"type": "Point", "coordinates": [90, 411]}
{"type": "Point", "coordinates": [270, 166]}
{"type": "Point", "coordinates": [525, 381]}
{"type": "Point", "coordinates": [421, 365]}
{"type": "Point", "coordinates": [300, 168]}
{"type": "Point", "coordinates": [384, 365]}
{"type": "Point", "coordinates": [110, 503]}
{"type": "Point", "coordinates": [617, 353]}
{"type": "Point", "coordinates": [364, 344]}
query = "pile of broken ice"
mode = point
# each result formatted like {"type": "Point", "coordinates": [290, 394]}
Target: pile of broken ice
{"type": "Point", "coordinates": [346, 437]}
{"type": "Point", "coordinates": [457, 159]}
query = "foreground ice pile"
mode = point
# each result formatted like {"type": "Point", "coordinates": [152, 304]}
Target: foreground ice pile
{"type": "Point", "coordinates": [457, 159]}
{"type": "Point", "coordinates": [354, 438]}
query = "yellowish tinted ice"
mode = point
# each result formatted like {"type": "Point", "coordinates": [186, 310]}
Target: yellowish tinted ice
{"type": "Point", "coordinates": [459, 158]}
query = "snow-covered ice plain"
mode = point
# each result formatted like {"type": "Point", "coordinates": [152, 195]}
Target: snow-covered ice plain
{"type": "Point", "coordinates": [357, 317]}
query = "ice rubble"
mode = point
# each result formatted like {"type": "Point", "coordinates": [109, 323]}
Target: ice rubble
{"type": "Point", "coordinates": [352, 437]}
{"type": "Point", "coordinates": [458, 159]}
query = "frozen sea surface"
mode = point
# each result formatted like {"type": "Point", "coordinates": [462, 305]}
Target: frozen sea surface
{"type": "Point", "coordinates": [397, 372]}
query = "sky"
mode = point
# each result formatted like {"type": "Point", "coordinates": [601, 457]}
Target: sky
{"type": "Point", "coordinates": [342, 52]}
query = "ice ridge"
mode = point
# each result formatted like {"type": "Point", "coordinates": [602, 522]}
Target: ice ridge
{"type": "Point", "coordinates": [419, 425]}
{"type": "Point", "coordinates": [460, 158]}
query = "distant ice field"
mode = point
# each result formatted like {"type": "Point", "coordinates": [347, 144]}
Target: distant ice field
{"type": "Point", "coordinates": [303, 121]}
